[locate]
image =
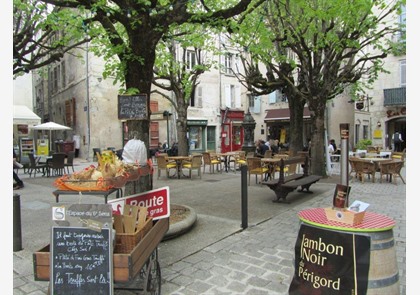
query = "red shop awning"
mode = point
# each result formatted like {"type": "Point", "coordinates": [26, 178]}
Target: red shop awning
{"type": "Point", "coordinates": [284, 114]}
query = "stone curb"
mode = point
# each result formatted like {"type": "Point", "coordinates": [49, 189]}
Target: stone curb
{"type": "Point", "coordinates": [182, 226]}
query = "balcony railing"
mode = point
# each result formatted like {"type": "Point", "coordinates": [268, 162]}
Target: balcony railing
{"type": "Point", "coordinates": [394, 96]}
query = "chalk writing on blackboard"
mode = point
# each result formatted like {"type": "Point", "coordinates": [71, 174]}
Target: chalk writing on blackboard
{"type": "Point", "coordinates": [81, 261]}
{"type": "Point", "coordinates": [132, 107]}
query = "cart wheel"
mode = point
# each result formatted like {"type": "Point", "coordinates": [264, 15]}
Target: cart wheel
{"type": "Point", "coordinates": [152, 278]}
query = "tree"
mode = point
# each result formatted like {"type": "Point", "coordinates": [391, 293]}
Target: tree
{"type": "Point", "coordinates": [181, 59]}
{"type": "Point", "coordinates": [130, 32]}
{"type": "Point", "coordinates": [329, 45]}
{"type": "Point", "coordinates": [35, 32]}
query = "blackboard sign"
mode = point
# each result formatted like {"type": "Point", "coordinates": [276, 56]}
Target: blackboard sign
{"type": "Point", "coordinates": [81, 261]}
{"type": "Point", "coordinates": [132, 107]}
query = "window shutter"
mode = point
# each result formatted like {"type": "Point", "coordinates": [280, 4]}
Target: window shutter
{"type": "Point", "coordinates": [272, 97]}
{"type": "Point", "coordinates": [199, 96]}
{"type": "Point", "coordinates": [228, 98]}
{"type": "Point", "coordinates": [222, 63]}
{"type": "Point", "coordinates": [237, 96]}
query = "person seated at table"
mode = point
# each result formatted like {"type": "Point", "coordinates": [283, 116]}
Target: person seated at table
{"type": "Point", "coordinates": [165, 147]}
{"type": "Point", "coordinates": [174, 150]}
{"type": "Point", "coordinates": [18, 183]}
{"type": "Point", "coordinates": [274, 146]}
{"type": "Point", "coordinates": [261, 148]}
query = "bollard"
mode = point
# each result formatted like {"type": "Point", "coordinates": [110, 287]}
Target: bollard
{"type": "Point", "coordinates": [17, 229]}
{"type": "Point", "coordinates": [244, 196]}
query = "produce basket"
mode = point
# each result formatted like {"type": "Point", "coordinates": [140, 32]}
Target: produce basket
{"type": "Point", "coordinates": [125, 242]}
{"type": "Point", "coordinates": [63, 183]}
{"type": "Point", "coordinates": [117, 181]}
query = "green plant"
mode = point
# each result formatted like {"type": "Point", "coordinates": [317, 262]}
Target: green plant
{"type": "Point", "coordinates": [363, 144]}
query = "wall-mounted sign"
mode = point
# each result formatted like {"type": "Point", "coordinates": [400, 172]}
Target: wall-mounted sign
{"type": "Point", "coordinates": [132, 107]}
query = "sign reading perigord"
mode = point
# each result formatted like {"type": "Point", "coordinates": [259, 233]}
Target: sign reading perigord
{"type": "Point", "coordinates": [157, 202]}
{"type": "Point", "coordinates": [330, 262]}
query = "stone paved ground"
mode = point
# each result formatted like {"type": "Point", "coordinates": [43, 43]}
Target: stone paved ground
{"type": "Point", "coordinates": [218, 256]}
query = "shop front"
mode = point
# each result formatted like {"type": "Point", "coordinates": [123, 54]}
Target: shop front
{"type": "Point", "coordinates": [232, 133]}
{"type": "Point", "coordinates": [196, 135]}
{"type": "Point", "coordinates": [278, 125]}
{"type": "Point", "coordinates": [23, 138]}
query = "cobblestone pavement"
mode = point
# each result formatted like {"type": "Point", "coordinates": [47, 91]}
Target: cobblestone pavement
{"type": "Point", "coordinates": [218, 256]}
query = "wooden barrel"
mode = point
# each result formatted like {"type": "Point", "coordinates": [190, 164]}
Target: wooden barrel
{"type": "Point", "coordinates": [383, 270]}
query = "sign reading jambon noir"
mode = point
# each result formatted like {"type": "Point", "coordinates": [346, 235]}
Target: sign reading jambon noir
{"type": "Point", "coordinates": [329, 262]}
{"type": "Point", "coordinates": [157, 202]}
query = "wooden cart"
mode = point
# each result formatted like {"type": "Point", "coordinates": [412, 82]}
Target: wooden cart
{"type": "Point", "coordinates": [137, 270]}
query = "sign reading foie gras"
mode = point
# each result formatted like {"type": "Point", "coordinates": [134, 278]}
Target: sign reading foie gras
{"type": "Point", "coordinates": [330, 262]}
{"type": "Point", "coordinates": [156, 201]}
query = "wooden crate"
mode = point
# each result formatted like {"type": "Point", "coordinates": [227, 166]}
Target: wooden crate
{"type": "Point", "coordinates": [125, 265]}
{"type": "Point", "coordinates": [125, 242]}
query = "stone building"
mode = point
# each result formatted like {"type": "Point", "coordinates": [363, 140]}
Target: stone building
{"type": "Point", "coordinates": [74, 93]}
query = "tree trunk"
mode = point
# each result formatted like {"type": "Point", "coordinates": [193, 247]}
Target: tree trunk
{"type": "Point", "coordinates": [140, 77]}
{"type": "Point", "coordinates": [318, 146]}
{"type": "Point", "coordinates": [296, 107]}
{"type": "Point", "coordinates": [182, 136]}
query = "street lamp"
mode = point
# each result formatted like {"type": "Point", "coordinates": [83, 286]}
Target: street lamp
{"type": "Point", "coordinates": [167, 114]}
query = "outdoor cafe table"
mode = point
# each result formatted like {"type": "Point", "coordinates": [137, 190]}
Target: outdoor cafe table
{"type": "Point", "coordinates": [226, 158]}
{"type": "Point", "coordinates": [271, 164]}
{"type": "Point", "coordinates": [105, 193]}
{"type": "Point", "coordinates": [178, 160]}
{"type": "Point", "coordinates": [377, 161]}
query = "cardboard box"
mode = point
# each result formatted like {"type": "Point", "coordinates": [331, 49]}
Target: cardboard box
{"type": "Point", "coordinates": [345, 216]}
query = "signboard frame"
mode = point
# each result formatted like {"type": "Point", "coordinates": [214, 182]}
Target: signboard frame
{"type": "Point", "coordinates": [133, 107]}
{"type": "Point", "coordinates": [157, 202]}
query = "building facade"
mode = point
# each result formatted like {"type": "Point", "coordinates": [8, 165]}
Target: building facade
{"type": "Point", "coordinates": [73, 93]}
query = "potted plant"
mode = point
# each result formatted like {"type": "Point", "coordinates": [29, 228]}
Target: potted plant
{"type": "Point", "coordinates": [363, 144]}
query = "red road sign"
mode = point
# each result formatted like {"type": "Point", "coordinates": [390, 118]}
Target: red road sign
{"type": "Point", "coordinates": [157, 202]}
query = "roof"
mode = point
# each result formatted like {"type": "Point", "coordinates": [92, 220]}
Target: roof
{"type": "Point", "coordinates": [284, 114]}
{"type": "Point", "coordinates": [23, 115]}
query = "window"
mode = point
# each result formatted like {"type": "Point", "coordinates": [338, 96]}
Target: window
{"type": "Point", "coordinates": [228, 64]}
{"type": "Point", "coordinates": [195, 137]}
{"type": "Point", "coordinates": [254, 103]}
{"type": "Point", "coordinates": [55, 75]}
{"type": "Point", "coordinates": [197, 98]}
{"type": "Point", "coordinates": [63, 75]}
{"type": "Point", "coordinates": [356, 133]}
{"type": "Point", "coordinates": [191, 59]}
{"type": "Point", "coordinates": [276, 96]}
{"type": "Point", "coordinates": [365, 131]}
{"type": "Point", "coordinates": [251, 102]}
{"type": "Point", "coordinates": [402, 73]}
{"type": "Point", "coordinates": [232, 96]}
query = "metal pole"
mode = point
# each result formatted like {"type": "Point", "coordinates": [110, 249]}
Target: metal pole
{"type": "Point", "coordinates": [167, 128]}
{"type": "Point", "coordinates": [17, 229]}
{"type": "Point", "coordinates": [344, 165]}
{"type": "Point", "coordinates": [244, 196]}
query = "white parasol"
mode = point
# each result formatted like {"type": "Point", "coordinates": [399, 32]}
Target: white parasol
{"type": "Point", "coordinates": [50, 126]}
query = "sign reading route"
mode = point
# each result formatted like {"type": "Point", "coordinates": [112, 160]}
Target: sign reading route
{"type": "Point", "coordinates": [157, 202]}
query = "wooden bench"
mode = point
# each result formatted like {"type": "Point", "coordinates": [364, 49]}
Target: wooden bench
{"type": "Point", "coordinates": [286, 184]}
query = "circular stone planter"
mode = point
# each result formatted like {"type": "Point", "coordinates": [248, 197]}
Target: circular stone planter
{"type": "Point", "coordinates": [181, 221]}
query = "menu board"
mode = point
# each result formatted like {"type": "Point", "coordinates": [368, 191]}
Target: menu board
{"type": "Point", "coordinates": [81, 261]}
{"type": "Point", "coordinates": [132, 107]}
{"type": "Point", "coordinates": [81, 249]}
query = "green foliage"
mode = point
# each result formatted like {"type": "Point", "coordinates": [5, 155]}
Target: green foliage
{"type": "Point", "coordinates": [363, 144]}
